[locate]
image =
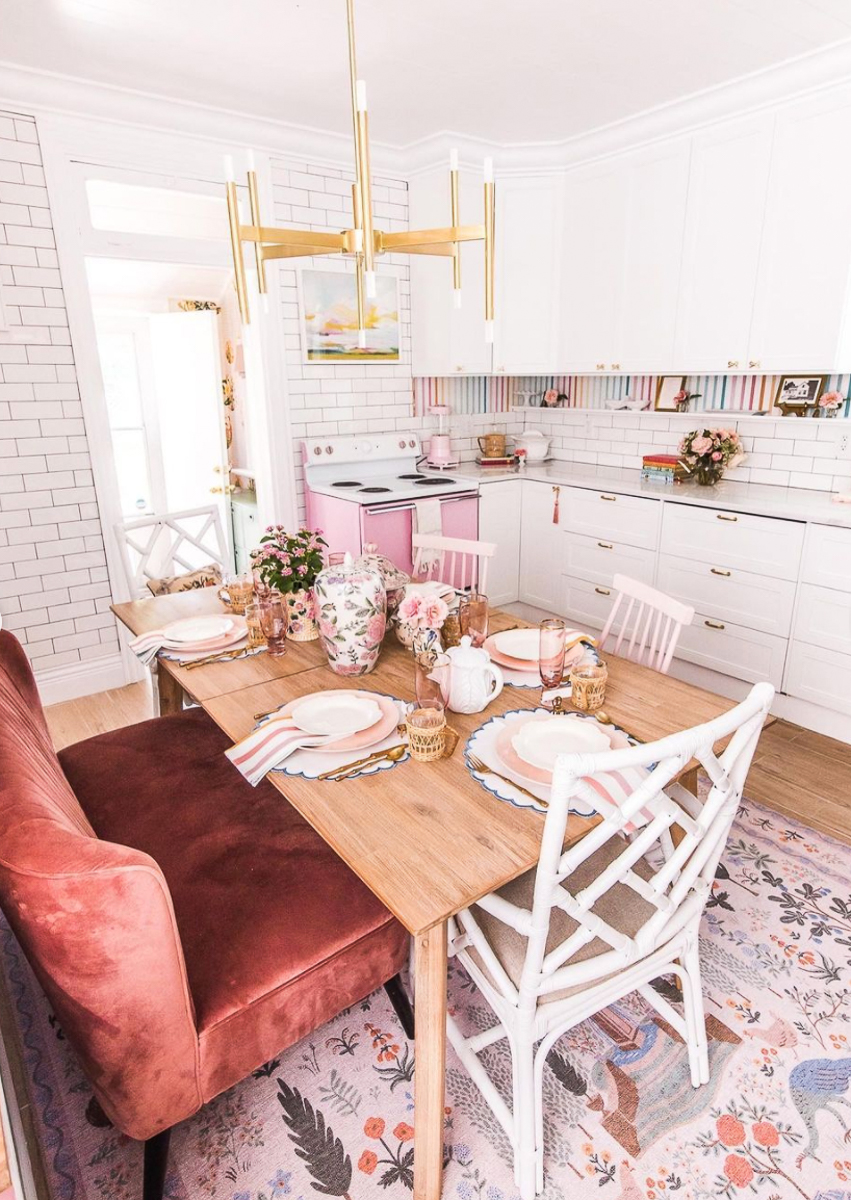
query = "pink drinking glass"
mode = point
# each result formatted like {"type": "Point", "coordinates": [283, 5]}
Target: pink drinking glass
{"type": "Point", "coordinates": [473, 615]}
{"type": "Point", "coordinates": [551, 652]}
{"type": "Point", "coordinates": [273, 622]}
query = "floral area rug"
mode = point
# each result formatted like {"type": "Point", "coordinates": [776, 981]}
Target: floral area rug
{"type": "Point", "coordinates": [334, 1115]}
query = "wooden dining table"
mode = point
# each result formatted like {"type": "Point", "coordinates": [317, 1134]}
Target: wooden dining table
{"type": "Point", "coordinates": [426, 838]}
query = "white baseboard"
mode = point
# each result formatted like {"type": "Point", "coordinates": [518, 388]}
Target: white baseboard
{"type": "Point", "coordinates": [80, 679]}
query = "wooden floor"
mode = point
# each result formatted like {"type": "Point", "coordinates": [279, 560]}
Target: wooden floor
{"type": "Point", "coordinates": [797, 773]}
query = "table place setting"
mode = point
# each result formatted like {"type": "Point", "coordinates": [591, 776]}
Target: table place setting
{"type": "Point", "coordinates": [513, 756]}
{"type": "Point", "coordinates": [197, 640]}
{"type": "Point", "coordinates": [340, 733]}
{"type": "Point", "coordinates": [530, 658]}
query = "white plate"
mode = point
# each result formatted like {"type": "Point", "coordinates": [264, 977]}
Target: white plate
{"type": "Point", "coordinates": [541, 742]}
{"type": "Point", "coordinates": [198, 629]}
{"type": "Point", "coordinates": [519, 643]}
{"type": "Point", "coordinates": [340, 714]}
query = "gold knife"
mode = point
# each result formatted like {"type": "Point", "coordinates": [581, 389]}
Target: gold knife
{"type": "Point", "coordinates": [361, 762]}
{"type": "Point", "coordinates": [213, 658]}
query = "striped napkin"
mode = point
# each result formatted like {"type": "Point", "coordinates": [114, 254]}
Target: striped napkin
{"type": "Point", "coordinates": [269, 744]}
{"type": "Point", "coordinates": [148, 645]}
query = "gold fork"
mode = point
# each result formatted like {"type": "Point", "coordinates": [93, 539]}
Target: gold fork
{"type": "Point", "coordinates": [483, 769]}
{"type": "Point", "coordinates": [212, 658]}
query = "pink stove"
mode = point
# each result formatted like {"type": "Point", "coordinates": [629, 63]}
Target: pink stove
{"type": "Point", "coordinates": [366, 488]}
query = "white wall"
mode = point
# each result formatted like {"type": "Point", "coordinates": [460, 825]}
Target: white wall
{"type": "Point", "coordinates": [54, 591]}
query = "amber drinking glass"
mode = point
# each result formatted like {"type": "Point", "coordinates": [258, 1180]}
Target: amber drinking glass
{"type": "Point", "coordinates": [254, 625]}
{"type": "Point", "coordinates": [473, 615]}
{"type": "Point", "coordinates": [273, 621]}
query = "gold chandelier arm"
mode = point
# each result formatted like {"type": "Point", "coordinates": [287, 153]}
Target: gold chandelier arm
{"type": "Point", "coordinates": [489, 249]}
{"type": "Point", "coordinates": [361, 305]}
{"type": "Point", "coordinates": [273, 252]}
{"type": "Point", "coordinates": [456, 220]}
{"type": "Point", "coordinates": [433, 237]}
{"type": "Point", "coordinates": [236, 249]}
{"type": "Point", "coordinates": [353, 81]}
{"type": "Point", "coordinates": [293, 237]}
{"type": "Point", "coordinates": [366, 193]}
{"type": "Point", "coordinates": [255, 220]}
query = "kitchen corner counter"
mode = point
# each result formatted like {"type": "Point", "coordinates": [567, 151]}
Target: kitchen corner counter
{"type": "Point", "coordinates": [794, 504]}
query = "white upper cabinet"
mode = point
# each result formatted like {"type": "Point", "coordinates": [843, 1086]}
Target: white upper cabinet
{"type": "Point", "coordinates": [726, 207]}
{"type": "Point", "coordinates": [528, 252]}
{"type": "Point", "coordinates": [446, 340]}
{"type": "Point", "coordinates": [800, 319]}
{"type": "Point", "coordinates": [657, 187]}
{"type": "Point", "coordinates": [593, 240]}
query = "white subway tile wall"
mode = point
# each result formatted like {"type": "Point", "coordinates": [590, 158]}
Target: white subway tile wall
{"type": "Point", "coordinates": [357, 398]}
{"type": "Point", "coordinates": [787, 452]}
{"type": "Point", "coordinates": [54, 589]}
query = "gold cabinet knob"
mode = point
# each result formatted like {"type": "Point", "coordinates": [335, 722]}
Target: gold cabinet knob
{"type": "Point", "coordinates": [732, 362]}
{"type": "Point", "coordinates": [616, 366]}
{"type": "Point", "coordinates": [216, 491]}
{"type": "Point", "coordinates": [601, 366]}
{"type": "Point", "coordinates": [459, 368]}
{"type": "Point", "coordinates": [754, 362]}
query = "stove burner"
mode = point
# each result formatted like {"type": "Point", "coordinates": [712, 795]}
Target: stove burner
{"type": "Point", "coordinates": [433, 482]}
{"type": "Point", "coordinates": [412, 477]}
{"type": "Point", "coordinates": [375, 489]}
{"type": "Point", "coordinates": [347, 483]}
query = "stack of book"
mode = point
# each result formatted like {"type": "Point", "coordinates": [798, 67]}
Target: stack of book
{"type": "Point", "coordinates": [664, 468]}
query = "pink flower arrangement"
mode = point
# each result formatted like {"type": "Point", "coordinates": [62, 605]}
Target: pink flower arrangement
{"type": "Point", "coordinates": [423, 612]}
{"type": "Point", "coordinates": [550, 397]}
{"type": "Point", "coordinates": [287, 562]}
{"type": "Point", "coordinates": [831, 400]}
{"type": "Point", "coordinates": [717, 448]}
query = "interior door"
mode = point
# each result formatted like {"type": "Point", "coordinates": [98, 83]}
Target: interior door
{"type": "Point", "coordinates": [187, 378]}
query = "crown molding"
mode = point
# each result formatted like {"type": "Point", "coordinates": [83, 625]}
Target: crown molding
{"type": "Point", "coordinates": [35, 92]}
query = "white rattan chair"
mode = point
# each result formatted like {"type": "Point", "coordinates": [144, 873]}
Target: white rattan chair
{"type": "Point", "coordinates": [649, 626]}
{"type": "Point", "coordinates": [170, 544]}
{"type": "Point", "coordinates": [597, 921]}
{"type": "Point", "coordinates": [459, 561]}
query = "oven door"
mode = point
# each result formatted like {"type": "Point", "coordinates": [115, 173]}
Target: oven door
{"type": "Point", "coordinates": [390, 526]}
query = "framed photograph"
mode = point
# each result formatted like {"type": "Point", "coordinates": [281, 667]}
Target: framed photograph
{"type": "Point", "coordinates": [667, 388]}
{"type": "Point", "coordinates": [799, 392]}
{"type": "Point", "coordinates": [329, 318]}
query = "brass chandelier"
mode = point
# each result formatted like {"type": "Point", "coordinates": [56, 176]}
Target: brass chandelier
{"type": "Point", "coordinates": [363, 242]}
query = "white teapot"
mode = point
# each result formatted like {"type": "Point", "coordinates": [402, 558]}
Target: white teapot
{"type": "Point", "coordinates": [473, 679]}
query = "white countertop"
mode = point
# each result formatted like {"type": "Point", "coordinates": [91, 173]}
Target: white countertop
{"type": "Point", "coordinates": [798, 504]}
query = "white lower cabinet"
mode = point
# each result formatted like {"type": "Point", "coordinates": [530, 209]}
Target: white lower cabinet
{"type": "Point", "coordinates": [819, 675]}
{"type": "Point", "coordinates": [597, 560]}
{"type": "Point", "coordinates": [763, 545]}
{"type": "Point", "coordinates": [499, 522]}
{"type": "Point", "coordinates": [586, 605]}
{"type": "Point", "coordinates": [824, 618]}
{"type": "Point", "coordinates": [613, 517]}
{"type": "Point", "coordinates": [541, 544]}
{"type": "Point", "coordinates": [753, 601]}
{"type": "Point", "coordinates": [733, 649]}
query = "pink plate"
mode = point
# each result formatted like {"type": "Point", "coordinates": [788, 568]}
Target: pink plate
{"type": "Point", "coordinates": [509, 757]}
{"type": "Point", "coordinates": [220, 643]}
{"type": "Point", "coordinates": [367, 737]}
{"type": "Point", "coordinates": [527, 665]}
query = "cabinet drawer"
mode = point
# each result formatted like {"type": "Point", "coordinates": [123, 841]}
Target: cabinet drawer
{"type": "Point", "coordinates": [597, 560]}
{"type": "Point", "coordinates": [733, 650]}
{"type": "Point", "coordinates": [632, 520]}
{"type": "Point", "coordinates": [827, 557]}
{"type": "Point", "coordinates": [761, 545]}
{"type": "Point", "coordinates": [824, 618]}
{"type": "Point", "coordinates": [587, 605]}
{"type": "Point", "coordinates": [820, 676]}
{"type": "Point", "coordinates": [728, 594]}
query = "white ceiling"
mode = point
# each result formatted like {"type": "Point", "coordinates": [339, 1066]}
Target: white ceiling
{"type": "Point", "coordinates": [503, 70]}
{"type": "Point", "coordinates": [117, 283]}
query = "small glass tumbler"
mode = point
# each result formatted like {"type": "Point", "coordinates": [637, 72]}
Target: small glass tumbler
{"type": "Point", "coordinates": [431, 680]}
{"type": "Point", "coordinates": [473, 615]}
{"type": "Point", "coordinates": [551, 652]}
{"type": "Point", "coordinates": [273, 622]}
{"type": "Point", "coordinates": [237, 592]}
{"type": "Point", "coordinates": [427, 731]}
{"type": "Point", "coordinates": [588, 687]}
{"type": "Point", "coordinates": [254, 625]}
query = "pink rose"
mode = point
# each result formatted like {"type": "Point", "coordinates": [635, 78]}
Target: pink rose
{"type": "Point", "coordinates": [550, 397]}
{"type": "Point", "coordinates": [434, 612]}
{"type": "Point", "coordinates": [717, 456]}
{"type": "Point", "coordinates": [409, 609]}
{"type": "Point", "coordinates": [701, 445]}
{"type": "Point", "coordinates": [680, 396]}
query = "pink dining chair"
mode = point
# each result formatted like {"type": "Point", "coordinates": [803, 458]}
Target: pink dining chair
{"type": "Point", "coordinates": [649, 626]}
{"type": "Point", "coordinates": [459, 561]}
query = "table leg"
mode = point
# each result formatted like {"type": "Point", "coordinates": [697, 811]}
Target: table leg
{"type": "Point", "coordinates": [689, 780]}
{"type": "Point", "coordinates": [429, 1081]}
{"type": "Point", "coordinates": [171, 693]}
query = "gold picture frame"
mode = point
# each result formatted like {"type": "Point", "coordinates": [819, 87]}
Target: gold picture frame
{"type": "Point", "coordinates": [798, 393]}
{"type": "Point", "coordinates": [667, 386]}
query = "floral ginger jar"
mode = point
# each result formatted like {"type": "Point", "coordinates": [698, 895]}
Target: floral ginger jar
{"type": "Point", "coordinates": [352, 611]}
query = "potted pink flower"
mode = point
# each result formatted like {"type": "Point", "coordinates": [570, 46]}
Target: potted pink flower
{"type": "Point", "coordinates": [419, 621]}
{"type": "Point", "coordinates": [829, 404]}
{"type": "Point", "coordinates": [707, 452]}
{"type": "Point", "coordinates": [287, 564]}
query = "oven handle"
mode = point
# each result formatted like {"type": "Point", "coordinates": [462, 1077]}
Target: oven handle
{"type": "Point", "coordinates": [389, 508]}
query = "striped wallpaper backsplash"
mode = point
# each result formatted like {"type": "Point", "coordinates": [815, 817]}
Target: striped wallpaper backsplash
{"type": "Point", "coordinates": [491, 394]}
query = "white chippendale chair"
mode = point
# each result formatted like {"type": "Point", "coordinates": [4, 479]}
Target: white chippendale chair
{"type": "Point", "coordinates": [645, 623]}
{"type": "Point", "coordinates": [170, 544]}
{"type": "Point", "coordinates": [595, 922]}
{"type": "Point", "coordinates": [459, 561]}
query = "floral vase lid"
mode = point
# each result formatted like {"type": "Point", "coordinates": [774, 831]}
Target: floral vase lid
{"type": "Point", "coordinates": [391, 576]}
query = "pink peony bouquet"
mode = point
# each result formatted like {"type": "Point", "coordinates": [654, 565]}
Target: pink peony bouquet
{"type": "Point", "coordinates": [831, 400]}
{"type": "Point", "coordinates": [423, 612]}
{"type": "Point", "coordinates": [708, 451]}
{"type": "Point", "coordinates": [287, 562]}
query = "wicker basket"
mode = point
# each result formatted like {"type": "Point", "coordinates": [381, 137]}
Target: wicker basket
{"type": "Point", "coordinates": [426, 745]}
{"type": "Point", "coordinates": [588, 687]}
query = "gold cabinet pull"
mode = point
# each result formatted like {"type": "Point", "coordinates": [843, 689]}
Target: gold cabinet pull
{"type": "Point", "coordinates": [726, 517]}
{"type": "Point", "coordinates": [718, 571]}
{"type": "Point", "coordinates": [605, 545]}
{"type": "Point", "coordinates": [602, 497]}
{"type": "Point", "coordinates": [714, 625]}
{"type": "Point", "coordinates": [732, 362]}
{"type": "Point", "coordinates": [602, 591]}
{"type": "Point", "coordinates": [616, 366]}
{"type": "Point", "coordinates": [754, 362]}
{"type": "Point", "coordinates": [601, 366]}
